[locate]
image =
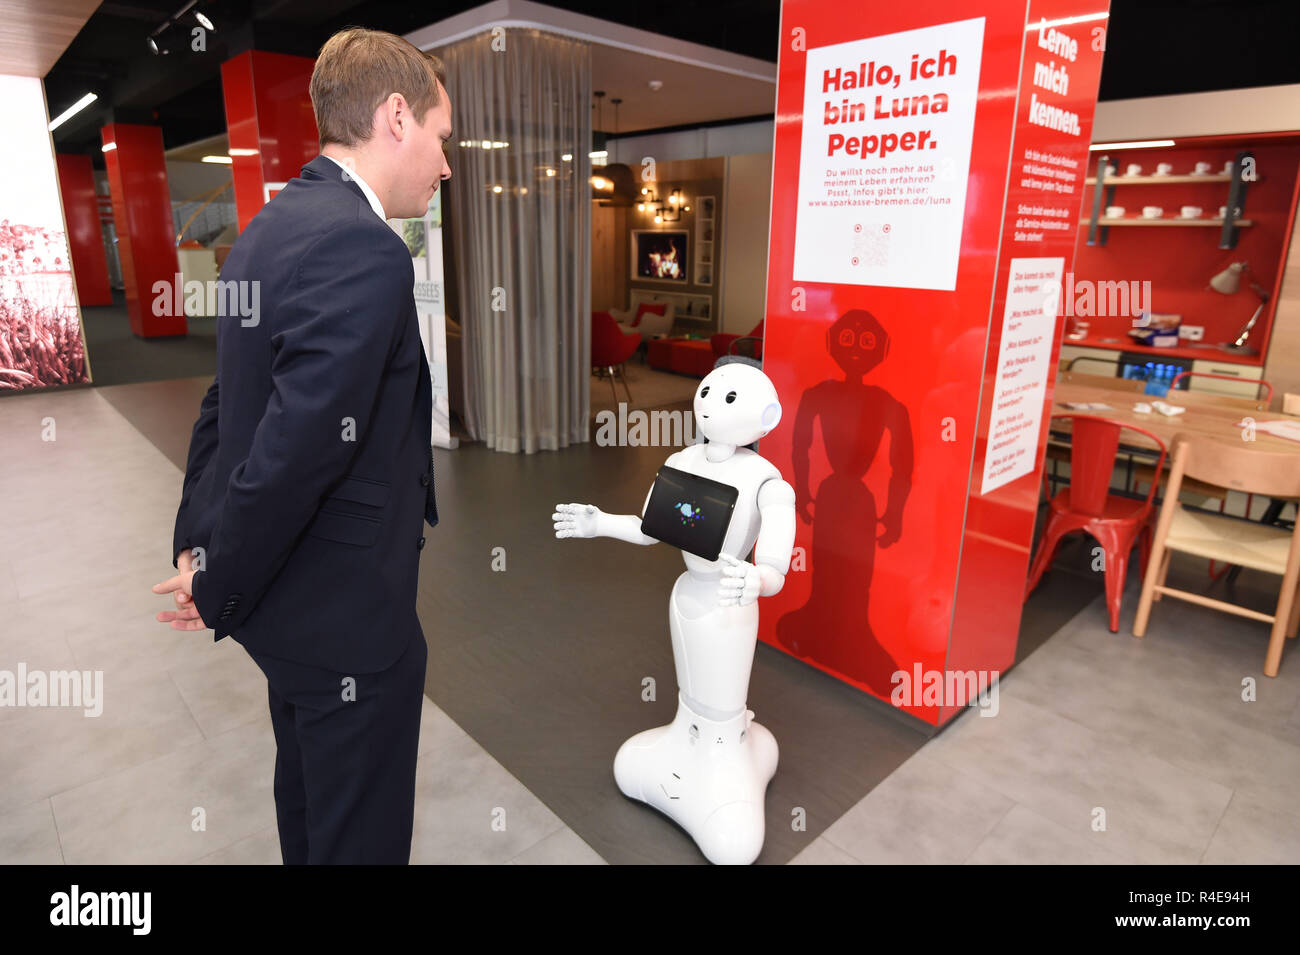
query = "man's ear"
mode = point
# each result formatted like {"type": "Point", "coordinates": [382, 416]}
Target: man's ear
{"type": "Point", "coordinates": [396, 115]}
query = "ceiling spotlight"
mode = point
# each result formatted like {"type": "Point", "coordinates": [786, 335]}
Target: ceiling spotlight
{"type": "Point", "coordinates": [496, 188]}
{"type": "Point", "coordinates": [656, 85]}
{"type": "Point", "coordinates": [550, 172]}
{"type": "Point", "coordinates": [567, 157]}
{"type": "Point", "coordinates": [204, 21]}
{"type": "Point", "coordinates": [153, 46]}
{"type": "Point", "coordinates": [659, 218]}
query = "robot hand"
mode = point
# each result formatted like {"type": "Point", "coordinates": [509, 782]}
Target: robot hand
{"type": "Point", "coordinates": [575, 520]}
{"type": "Point", "coordinates": [740, 582]}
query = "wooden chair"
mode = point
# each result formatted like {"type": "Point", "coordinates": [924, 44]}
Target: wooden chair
{"type": "Point", "coordinates": [1212, 399]}
{"type": "Point", "coordinates": [1109, 382]}
{"type": "Point", "coordinates": [1263, 390]}
{"type": "Point", "coordinates": [1245, 543]}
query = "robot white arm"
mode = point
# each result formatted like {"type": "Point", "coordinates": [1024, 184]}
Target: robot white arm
{"type": "Point", "coordinates": [742, 582]}
{"type": "Point", "coordinates": [587, 520]}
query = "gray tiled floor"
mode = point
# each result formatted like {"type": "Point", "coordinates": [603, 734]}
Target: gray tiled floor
{"type": "Point", "coordinates": [1152, 733]}
{"type": "Point", "coordinates": [178, 766]}
{"type": "Point", "coordinates": [1152, 736]}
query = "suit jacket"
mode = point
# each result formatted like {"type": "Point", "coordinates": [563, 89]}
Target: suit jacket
{"type": "Point", "coordinates": [310, 472]}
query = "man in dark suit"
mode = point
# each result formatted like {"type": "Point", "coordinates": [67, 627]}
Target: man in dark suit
{"type": "Point", "coordinates": [310, 472]}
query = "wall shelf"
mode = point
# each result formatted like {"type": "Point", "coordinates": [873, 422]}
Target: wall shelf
{"type": "Point", "coordinates": [1103, 196]}
{"type": "Point", "coordinates": [1160, 180]}
{"type": "Point", "coordinates": [1170, 220]}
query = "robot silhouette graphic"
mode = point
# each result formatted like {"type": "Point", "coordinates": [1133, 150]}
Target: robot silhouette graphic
{"type": "Point", "coordinates": [833, 628]}
{"type": "Point", "coordinates": [708, 770]}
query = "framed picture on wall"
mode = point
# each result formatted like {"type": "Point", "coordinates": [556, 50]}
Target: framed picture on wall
{"type": "Point", "coordinates": [659, 256]}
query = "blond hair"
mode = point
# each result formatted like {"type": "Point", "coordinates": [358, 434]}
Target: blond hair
{"type": "Point", "coordinates": [356, 70]}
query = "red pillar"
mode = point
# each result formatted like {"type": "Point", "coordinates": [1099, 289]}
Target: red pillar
{"type": "Point", "coordinates": [271, 126]}
{"type": "Point", "coordinates": [85, 238]}
{"type": "Point", "coordinates": [928, 173]}
{"type": "Point", "coordinates": [146, 237]}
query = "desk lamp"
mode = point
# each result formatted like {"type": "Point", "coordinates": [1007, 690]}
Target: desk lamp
{"type": "Point", "coordinates": [1227, 282]}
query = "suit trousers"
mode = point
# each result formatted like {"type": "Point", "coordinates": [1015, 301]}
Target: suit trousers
{"type": "Point", "coordinates": [345, 758]}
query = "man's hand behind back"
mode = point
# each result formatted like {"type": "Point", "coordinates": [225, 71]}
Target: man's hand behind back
{"type": "Point", "coordinates": [186, 615]}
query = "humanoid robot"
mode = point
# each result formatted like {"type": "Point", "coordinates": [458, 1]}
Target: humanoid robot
{"type": "Point", "coordinates": [708, 770]}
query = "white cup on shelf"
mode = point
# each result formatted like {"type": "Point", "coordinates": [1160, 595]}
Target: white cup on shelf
{"type": "Point", "coordinates": [1152, 212]}
{"type": "Point", "coordinates": [1115, 212]}
{"type": "Point", "coordinates": [1191, 212]}
{"type": "Point", "coordinates": [1164, 169]}
{"type": "Point", "coordinates": [1203, 168]}
{"type": "Point", "coordinates": [1227, 167]}
{"type": "Point", "coordinates": [1132, 169]}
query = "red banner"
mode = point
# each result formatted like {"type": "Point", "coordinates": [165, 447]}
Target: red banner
{"type": "Point", "coordinates": [928, 174]}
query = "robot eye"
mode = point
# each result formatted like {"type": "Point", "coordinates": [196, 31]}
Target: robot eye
{"type": "Point", "coordinates": [704, 392]}
{"type": "Point", "coordinates": [731, 396]}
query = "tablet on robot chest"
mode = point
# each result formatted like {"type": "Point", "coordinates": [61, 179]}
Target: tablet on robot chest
{"type": "Point", "coordinates": [689, 511]}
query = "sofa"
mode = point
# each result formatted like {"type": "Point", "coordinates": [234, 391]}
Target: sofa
{"type": "Point", "coordinates": [649, 320]}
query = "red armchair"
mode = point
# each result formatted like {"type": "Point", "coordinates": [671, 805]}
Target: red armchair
{"type": "Point", "coordinates": [722, 342]}
{"type": "Point", "coordinates": [610, 348]}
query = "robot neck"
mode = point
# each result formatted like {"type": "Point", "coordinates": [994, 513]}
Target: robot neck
{"type": "Point", "coordinates": [715, 452]}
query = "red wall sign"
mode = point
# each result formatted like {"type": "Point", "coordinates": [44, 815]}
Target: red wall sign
{"type": "Point", "coordinates": [928, 173]}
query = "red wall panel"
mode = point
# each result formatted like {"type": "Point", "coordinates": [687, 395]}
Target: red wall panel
{"type": "Point", "coordinates": [85, 237]}
{"type": "Point", "coordinates": [1179, 262]}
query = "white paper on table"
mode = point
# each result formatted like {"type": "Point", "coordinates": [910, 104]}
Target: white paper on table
{"type": "Point", "coordinates": [1280, 429]}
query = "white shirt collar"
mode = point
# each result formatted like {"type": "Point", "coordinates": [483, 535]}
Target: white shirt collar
{"type": "Point", "coordinates": [370, 193]}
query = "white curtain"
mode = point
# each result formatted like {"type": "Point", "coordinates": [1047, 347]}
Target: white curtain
{"type": "Point", "coordinates": [522, 235]}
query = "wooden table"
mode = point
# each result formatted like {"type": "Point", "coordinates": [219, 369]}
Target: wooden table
{"type": "Point", "coordinates": [1204, 417]}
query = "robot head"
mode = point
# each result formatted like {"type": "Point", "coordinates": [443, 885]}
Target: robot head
{"type": "Point", "coordinates": [736, 403]}
{"type": "Point", "coordinates": [857, 341]}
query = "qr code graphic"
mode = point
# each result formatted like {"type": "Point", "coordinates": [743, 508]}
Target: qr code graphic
{"type": "Point", "coordinates": [870, 244]}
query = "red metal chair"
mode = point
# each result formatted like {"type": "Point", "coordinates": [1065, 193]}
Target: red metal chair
{"type": "Point", "coordinates": [1260, 383]}
{"type": "Point", "coordinates": [610, 348]}
{"type": "Point", "coordinates": [1087, 505]}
